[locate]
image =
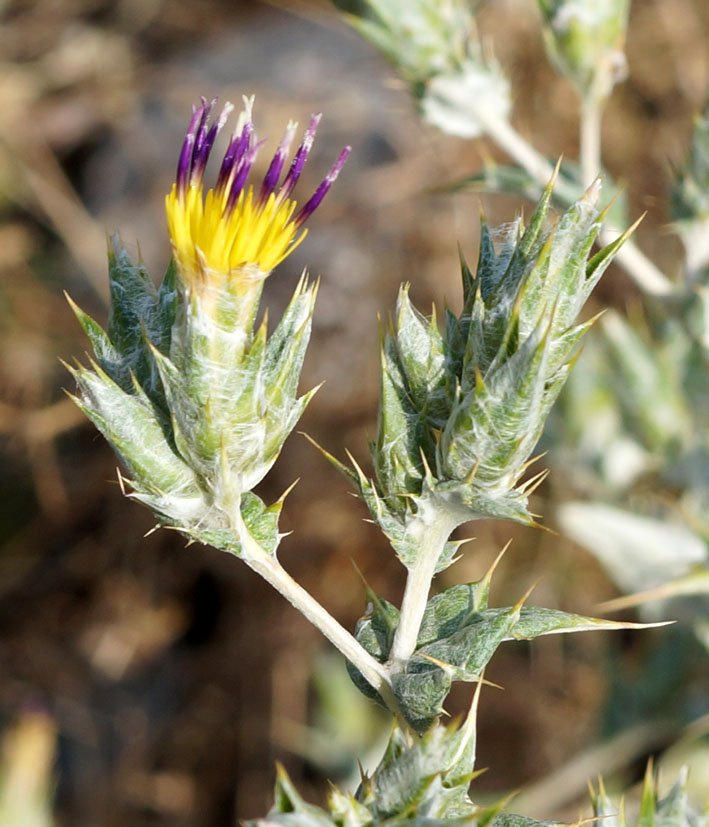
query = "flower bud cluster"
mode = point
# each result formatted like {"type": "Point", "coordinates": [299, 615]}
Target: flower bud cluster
{"type": "Point", "coordinates": [428, 777]}
{"type": "Point", "coordinates": [462, 409]}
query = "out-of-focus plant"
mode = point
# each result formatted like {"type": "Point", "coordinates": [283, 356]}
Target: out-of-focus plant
{"type": "Point", "coordinates": [634, 424]}
{"type": "Point", "coordinates": [26, 764]}
{"type": "Point", "coordinates": [197, 402]}
{"type": "Point", "coordinates": [584, 39]}
{"type": "Point", "coordinates": [674, 808]}
{"type": "Point", "coordinates": [690, 210]}
{"type": "Point", "coordinates": [453, 93]}
{"type": "Point", "coordinates": [459, 88]}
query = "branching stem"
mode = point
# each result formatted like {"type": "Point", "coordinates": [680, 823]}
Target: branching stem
{"type": "Point", "coordinates": [433, 537]}
{"type": "Point", "coordinates": [268, 567]}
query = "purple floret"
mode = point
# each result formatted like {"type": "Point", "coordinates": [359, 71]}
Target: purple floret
{"type": "Point", "coordinates": [241, 174]}
{"type": "Point", "coordinates": [238, 147]}
{"type": "Point", "coordinates": [184, 164]}
{"type": "Point", "coordinates": [309, 208]}
{"type": "Point", "coordinates": [205, 142]}
{"type": "Point", "coordinates": [240, 156]}
{"type": "Point", "coordinates": [201, 132]}
{"type": "Point", "coordinates": [300, 157]}
{"type": "Point", "coordinates": [270, 181]}
{"type": "Point", "coordinates": [198, 144]}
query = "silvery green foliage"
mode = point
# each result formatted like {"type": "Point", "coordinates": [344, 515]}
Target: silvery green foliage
{"type": "Point", "coordinates": [432, 46]}
{"type": "Point", "coordinates": [460, 103]}
{"type": "Point", "coordinates": [690, 204]}
{"type": "Point", "coordinates": [617, 437]}
{"type": "Point", "coordinates": [643, 370]}
{"type": "Point", "coordinates": [425, 785]}
{"type": "Point", "coordinates": [672, 810]}
{"type": "Point", "coordinates": [584, 39]}
{"type": "Point", "coordinates": [422, 38]}
{"type": "Point", "coordinates": [461, 409]}
{"type": "Point", "coordinates": [196, 404]}
{"type": "Point", "coordinates": [647, 537]}
{"type": "Point", "coordinates": [638, 551]}
{"type": "Point", "coordinates": [607, 400]}
{"type": "Point", "coordinates": [458, 636]}
{"type": "Point", "coordinates": [420, 783]}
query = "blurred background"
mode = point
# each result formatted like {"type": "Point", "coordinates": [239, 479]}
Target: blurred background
{"type": "Point", "coordinates": [146, 683]}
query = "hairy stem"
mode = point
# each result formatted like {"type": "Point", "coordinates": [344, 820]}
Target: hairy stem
{"type": "Point", "coordinates": [638, 266]}
{"type": "Point", "coordinates": [272, 572]}
{"type": "Point", "coordinates": [590, 138]}
{"type": "Point", "coordinates": [520, 150]}
{"type": "Point", "coordinates": [433, 537]}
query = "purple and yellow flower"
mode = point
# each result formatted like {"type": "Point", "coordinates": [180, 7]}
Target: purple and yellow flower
{"type": "Point", "coordinates": [235, 230]}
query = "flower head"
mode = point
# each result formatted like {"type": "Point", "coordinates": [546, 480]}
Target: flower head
{"type": "Point", "coordinates": [235, 230]}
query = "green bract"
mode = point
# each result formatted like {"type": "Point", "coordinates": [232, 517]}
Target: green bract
{"type": "Point", "coordinates": [194, 402]}
{"type": "Point", "coordinates": [417, 783]}
{"type": "Point", "coordinates": [458, 635]}
{"type": "Point", "coordinates": [462, 408]}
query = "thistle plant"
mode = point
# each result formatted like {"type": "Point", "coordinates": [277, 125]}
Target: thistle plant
{"type": "Point", "coordinates": [194, 400]}
{"type": "Point", "coordinates": [674, 808]}
{"type": "Point", "coordinates": [197, 400]}
{"type": "Point", "coordinates": [631, 432]}
{"type": "Point", "coordinates": [462, 409]}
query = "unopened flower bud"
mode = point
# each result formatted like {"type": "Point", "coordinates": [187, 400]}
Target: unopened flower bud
{"type": "Point", "coordinates": [584, 39]}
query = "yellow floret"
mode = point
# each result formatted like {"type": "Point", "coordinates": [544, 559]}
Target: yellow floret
{"type": "Point", "coordinates": [205, 237]}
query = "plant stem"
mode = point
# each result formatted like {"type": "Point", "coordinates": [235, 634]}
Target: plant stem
{"type": "Point", "coordinates": [433, 537]}
{"type": "Point", "coordinates": [638, 266]}
{"type": "Point", "coordinates": [590, 139]}
{"type": "Point", "coordinates": [534, 163]}
{"type": "Point", "coordinates": [268, 567]}
{"type": "Point", "coordinates": [272, 571]}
